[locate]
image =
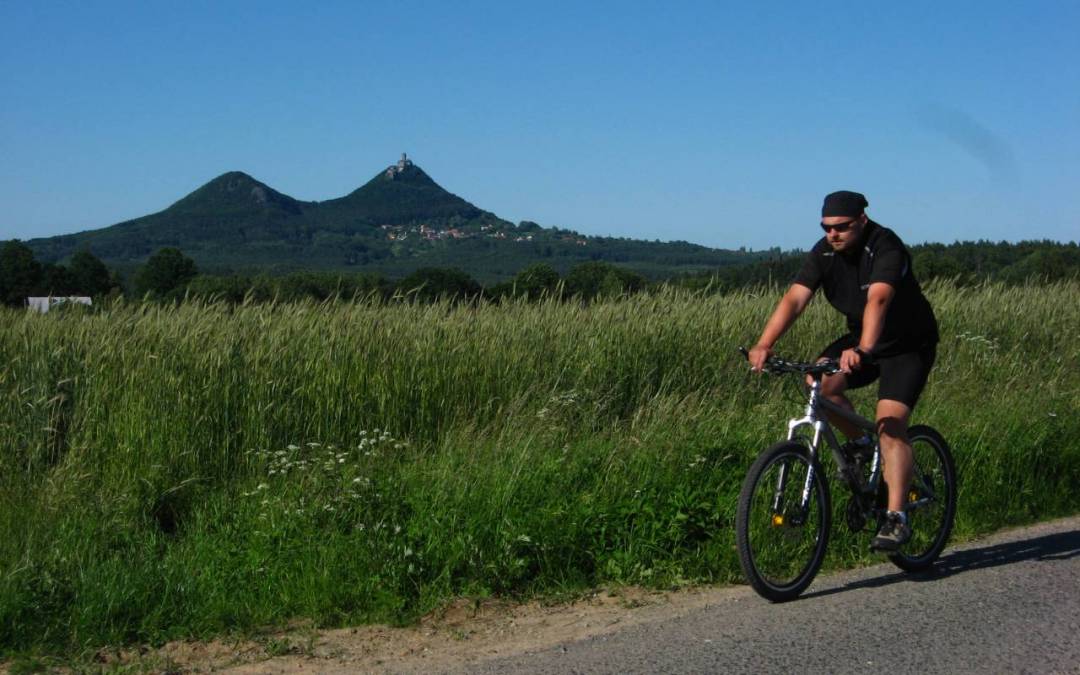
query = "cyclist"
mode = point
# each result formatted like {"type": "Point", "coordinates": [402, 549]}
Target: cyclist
{"type": "Point", "coordinates": [865, 271]}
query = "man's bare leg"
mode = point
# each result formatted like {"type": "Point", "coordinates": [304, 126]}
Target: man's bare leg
{"type": "Point", "coordinates": [832, 388]}
{"type": "Point", "coordinates": [896, 453]}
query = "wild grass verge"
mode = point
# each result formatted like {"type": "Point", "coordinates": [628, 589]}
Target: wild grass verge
{"type": "Point", "coordinates": [173, 472]}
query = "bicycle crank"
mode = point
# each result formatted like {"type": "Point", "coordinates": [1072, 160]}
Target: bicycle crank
{"type": "Point", "coordinates": [855, 516]}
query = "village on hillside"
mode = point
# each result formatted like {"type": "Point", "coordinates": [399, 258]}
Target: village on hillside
{"type": "Point", "coordinates": [426, 233]}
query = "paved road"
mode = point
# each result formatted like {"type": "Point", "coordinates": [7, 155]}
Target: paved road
{"type": "Point", "coordinates": [1010, 603]}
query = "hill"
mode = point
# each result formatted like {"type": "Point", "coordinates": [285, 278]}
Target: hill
{"type": "Point", "coordinates": [402, 194]}
{"type": "Point", "coordinates": [398, 221]}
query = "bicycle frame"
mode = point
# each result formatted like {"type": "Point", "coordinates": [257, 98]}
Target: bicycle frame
{"type": "Point", "coordinates": [814, 418]}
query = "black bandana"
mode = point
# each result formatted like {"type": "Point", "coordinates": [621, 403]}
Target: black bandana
{"type": "Point", "coordinates": [844, 204]}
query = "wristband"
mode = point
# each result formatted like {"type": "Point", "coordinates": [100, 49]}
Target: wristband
{"type": "Point", "coordinates": [860, 352]}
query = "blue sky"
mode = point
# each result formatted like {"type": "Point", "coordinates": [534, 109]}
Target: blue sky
{"type": "Point", "coordinates": [718, 123]}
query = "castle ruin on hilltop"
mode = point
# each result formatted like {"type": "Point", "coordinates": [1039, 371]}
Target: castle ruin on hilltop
{"type": "Point", "coordinates": [395, 169]}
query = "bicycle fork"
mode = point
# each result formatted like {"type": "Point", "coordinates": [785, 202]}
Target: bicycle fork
{"type": "Point", "coordinates": [809, 418]}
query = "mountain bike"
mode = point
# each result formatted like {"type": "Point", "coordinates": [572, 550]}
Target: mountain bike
{"type": "Point", "coordinates": [785, 507]}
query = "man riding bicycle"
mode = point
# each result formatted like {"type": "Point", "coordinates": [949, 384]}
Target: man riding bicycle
{"type": "Point", "coordinates": [866, 273]}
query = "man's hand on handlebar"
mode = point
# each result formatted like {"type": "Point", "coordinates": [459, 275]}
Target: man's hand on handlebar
{"type": "Point", "coordinates": [757, 357]}
{"type": "Point", "coordinates": [851, 360]}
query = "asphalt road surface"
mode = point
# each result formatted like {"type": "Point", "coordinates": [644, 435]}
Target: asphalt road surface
{"type": "Point", "coordinates": [1006, 604]}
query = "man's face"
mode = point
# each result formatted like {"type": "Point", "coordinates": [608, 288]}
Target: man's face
{"type": "Point", "coordinates": [843, 232]}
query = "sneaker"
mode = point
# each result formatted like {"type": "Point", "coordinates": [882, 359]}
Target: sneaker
{"type": "Point", "coordinates": [893, 534]}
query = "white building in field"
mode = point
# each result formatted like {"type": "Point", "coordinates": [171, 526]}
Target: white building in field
{"type": "Point", "coordinates": [44, 304]}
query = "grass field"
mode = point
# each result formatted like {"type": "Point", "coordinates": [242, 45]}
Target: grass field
{"type": "Point", "coordinates": [185, 471]}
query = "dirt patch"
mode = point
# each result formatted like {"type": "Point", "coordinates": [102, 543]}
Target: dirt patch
{"type": "Point", "coordinates": [459, 634]}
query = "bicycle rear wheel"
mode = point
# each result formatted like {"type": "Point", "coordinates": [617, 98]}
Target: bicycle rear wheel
{"type": "Point", "coordinates": [931, 500]}
{"type": "Point", "coordinates": [781, 544]}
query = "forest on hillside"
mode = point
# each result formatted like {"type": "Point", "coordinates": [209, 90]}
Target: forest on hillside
{"type": "Point", "coordinates": [171, 275]}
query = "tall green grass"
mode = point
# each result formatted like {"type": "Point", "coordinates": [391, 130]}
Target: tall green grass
{"type": "Point", "coordinates": [170, 472]}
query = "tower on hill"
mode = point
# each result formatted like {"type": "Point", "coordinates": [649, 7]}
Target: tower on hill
{"type": "Point", "coordinates": [401, 165]}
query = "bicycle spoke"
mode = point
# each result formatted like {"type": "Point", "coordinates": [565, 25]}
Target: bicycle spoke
{"type": "Point", "coordinates": [923, 482]}
{"type": "Point", "coordinates": [783, 536]}
{"type": "Point", "coordinates": [931, 501]}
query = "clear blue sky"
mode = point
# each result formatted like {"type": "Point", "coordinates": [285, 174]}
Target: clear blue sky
{"type": "Point", "coordinates": [718, 123]}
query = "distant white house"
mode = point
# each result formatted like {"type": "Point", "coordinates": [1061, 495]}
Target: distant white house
{"type": "Point", "coordinates": [44, 304]}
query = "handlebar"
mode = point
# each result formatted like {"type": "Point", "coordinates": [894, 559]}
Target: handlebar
{"type": "Point", "coordinates": [777, 365]}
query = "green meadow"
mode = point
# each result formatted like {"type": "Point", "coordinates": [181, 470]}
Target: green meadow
{"type": "Point", "coordinates": [192, 470]}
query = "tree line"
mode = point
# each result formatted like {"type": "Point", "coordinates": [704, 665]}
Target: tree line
{"type": "Point", "coordinates": [164, 275]}
{"type": "Point", "coordinates": [966, 263]}
{"type": "Point", "coordinates": [22, 276]}
{"type": "Point", "coordinates": [428, 284]}
{"type": "Point", "coordinates": [169, 275]}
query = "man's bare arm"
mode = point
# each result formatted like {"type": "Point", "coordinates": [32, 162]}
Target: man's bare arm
{"type": "Point", "coordinates": [878, 297]}
{"type": "Point", "coordinates": [787, 310]}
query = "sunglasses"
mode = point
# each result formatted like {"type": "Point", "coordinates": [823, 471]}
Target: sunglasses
{"type": "Point", "coordinates": [841, 227]}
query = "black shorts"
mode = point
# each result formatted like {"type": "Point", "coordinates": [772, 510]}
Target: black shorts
{"type": "Point", "coordinates": [903, 376]}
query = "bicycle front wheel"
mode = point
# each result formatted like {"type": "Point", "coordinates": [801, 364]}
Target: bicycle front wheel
{"type": "Point", "coordinates": [931, 500]}
{"type": "Point", "coordinates": [780, 536]}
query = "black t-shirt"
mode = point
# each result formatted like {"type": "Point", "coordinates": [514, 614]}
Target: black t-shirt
{"type": "Point", "coordinates": [909, 320]}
